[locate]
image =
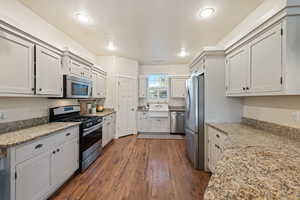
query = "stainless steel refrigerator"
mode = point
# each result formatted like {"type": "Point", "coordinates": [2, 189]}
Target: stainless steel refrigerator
{"type": "Point", "coordinates": [194, 120]}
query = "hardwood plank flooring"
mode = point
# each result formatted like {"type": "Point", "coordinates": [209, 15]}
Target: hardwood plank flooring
{"type": "Point", "coordinates": [138, 169]}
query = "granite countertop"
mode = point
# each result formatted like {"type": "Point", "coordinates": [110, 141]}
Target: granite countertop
{"type": "Point", "coordinates": [256, 164]}
{"type": "Point", "coordinates": [25, 135]}
{"type": "Point", "coordinates": [103, 114]}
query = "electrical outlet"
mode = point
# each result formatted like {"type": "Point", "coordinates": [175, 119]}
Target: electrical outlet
{"type": "Point", "coordinates": [296, 116]}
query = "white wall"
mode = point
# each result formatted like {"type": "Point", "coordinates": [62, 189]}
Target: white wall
{"type": "Point", "coordinates": [14, 13]}
{"type": "Point", "coordinates": [182, 70]}
{"type": "Point", "coordinates": [16, 109]}
{"type": "Point", "coordinates": [276, 109]}
{"type": "Point", "coordinates": [251, 20]}
{"type": "Point", "coordinates": [170, 69]}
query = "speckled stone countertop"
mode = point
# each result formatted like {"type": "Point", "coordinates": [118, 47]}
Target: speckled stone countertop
{"type": "Point", "coordinates": [103, 114]}
{"type": "Point", "coordinates": [25, 135]}
{"type": "Point", "coordinates": [256, 164]}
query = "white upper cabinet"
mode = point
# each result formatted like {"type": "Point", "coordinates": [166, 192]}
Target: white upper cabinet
{"type": "Point", "coordinates": [266, 61]}
{"type": "Point", "coordinates": [143, 84]}
{"type": "Point", "coordinates": [237, 67]}
{"type": "Point", "coordinates": [178, 87]}
{"type": "Point", "coordinates": [17, 65]}
{"type": "Point", "coordinates": [99, 84]}
{"type": "Point", "coordinates": [48, 72]}
{"type": "Point", "coordinates": [74, 65]}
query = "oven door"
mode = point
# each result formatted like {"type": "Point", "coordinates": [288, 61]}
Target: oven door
{"type": "Point", "coordinates": [77, 87]}
{"type": "Point", "coordinates": [90, 137]}
{"type": "Point", "coordinates": [90, 146]}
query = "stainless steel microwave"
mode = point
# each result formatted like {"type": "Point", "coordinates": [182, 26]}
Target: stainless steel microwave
{"type": "Point", "coordinates": [77, 88]}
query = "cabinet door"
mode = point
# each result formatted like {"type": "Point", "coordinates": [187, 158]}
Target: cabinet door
{"type": "Point", "coordinates": [75, 68]}
{"type": "Point", "coordinates": [33, 177]}
{"type": "Point", "coordinates": [105, 132]}
{"type": "Point", "coordinates": [266, 61]}
{"type": "Point", "coordinates": [143, 82]}
{"type": "Point", "coordinates": [86, 72]}
{"type": "Point", "coordinates": [95, 78]}
{"type": "Point", "coordinates": [64, 161]}
{"type": "Point", "coordinates": [237, 71]}
{"type": "Point", "coordinates": [113, 127]}
{"type": "Point", "coordinates": [17, 65]}
{"type": "Point", "coordinates": [102, 86]}
{"type": "Point", "coordinates": [178, 88]}
{"type": "Point", "coordinates": [48, 72]}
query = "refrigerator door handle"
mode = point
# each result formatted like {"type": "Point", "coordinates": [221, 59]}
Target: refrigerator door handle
{"type": "Point", "coordinates": [188, 103]}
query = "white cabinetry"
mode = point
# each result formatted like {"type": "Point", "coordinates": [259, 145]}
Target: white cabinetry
{"type": "Point", "coordinates": [17, 65]}
{"type": "Point", "coordinates": [237, 71]}
{"type": "Point", "coordinates": [265, 60]}
{"type": "Point", "coordinates": [28, 69]}
{"type": "Point", "coordinates": [178, 87]}
{"type": "Point", "coordinates": [109, 129]}
{"type": "Point", "coordinates": [257, 66]}
{"type": "Point", "coordinates": [99, 83]}
{"type": "Point", "coordinates": [74, 65]}
{"type": "Point", "coordinates": [143, 85]}
{"type": "Point", "coordinates": [216, 142]}
{"type": "Point", "coordinates": [146, 123]}
{"type": "Point", "coordinates": [34, 177]}
{"type": "Point", "coordinates": [43, 165]}
{"type": "Point", "coordinates": [48, 72]}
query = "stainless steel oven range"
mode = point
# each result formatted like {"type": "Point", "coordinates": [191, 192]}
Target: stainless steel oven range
{"type": "Point", "coordinates": [90, 140]}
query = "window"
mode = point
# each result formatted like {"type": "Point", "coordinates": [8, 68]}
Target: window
{"type": "Point", "coordinates": [158, 87]}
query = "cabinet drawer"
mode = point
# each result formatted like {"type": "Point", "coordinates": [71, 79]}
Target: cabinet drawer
{"type": "Point", "coordinates": [28, 150]}
{"type": "Point", "coordinates": [218, 137]}
{"type": "Point", "coordinates": [65, 135]}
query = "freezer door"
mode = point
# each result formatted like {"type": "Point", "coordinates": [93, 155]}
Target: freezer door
{"type": "Point", "coordinates": [191, 139]}
{"type": "Point", "coordinates": [191, 104]}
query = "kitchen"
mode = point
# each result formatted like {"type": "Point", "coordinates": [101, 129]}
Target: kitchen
{"type": "Point", "coordinates": [87, 92]}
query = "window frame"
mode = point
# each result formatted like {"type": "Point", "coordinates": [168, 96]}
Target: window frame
{"type": "Point", "coordinates": [166, 88]}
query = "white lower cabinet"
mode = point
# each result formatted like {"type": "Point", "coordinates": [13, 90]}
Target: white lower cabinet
{"type": "Point", "coordinates": [153, 124]}
{"type": "Point", "coordinates": [215, 145]}
{"type": "Point", "coordinates": [47, 163]}
{"type": "Point", "coordinates": [109, 129]}
{"type": "Point", "coordinates": [33, 177]}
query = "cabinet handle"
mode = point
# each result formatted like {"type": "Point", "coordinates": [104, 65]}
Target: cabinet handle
{"type": "Point", "coordinates": [68, 134]}
{"type": "Point", "coordinates": [217, 135]}
{"type": "Point", "coordinates": [38, 146]}
{"type": "Point", "coordinates": [217, 146]}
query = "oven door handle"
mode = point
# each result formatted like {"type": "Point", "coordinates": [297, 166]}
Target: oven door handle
{"type": "Point", "coordinates": [92, 129]}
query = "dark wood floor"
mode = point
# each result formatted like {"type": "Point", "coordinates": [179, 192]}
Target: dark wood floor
{"type": "Point", "coordinates": [138, 169]}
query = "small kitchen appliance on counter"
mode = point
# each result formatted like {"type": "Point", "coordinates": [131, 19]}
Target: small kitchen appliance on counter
{"type": "Point", "coordinates": [90, 135]}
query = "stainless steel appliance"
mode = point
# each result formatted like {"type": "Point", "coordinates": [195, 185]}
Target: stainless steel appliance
{"type": "Point", "coordinates": [177, 122]}
{"type": "Point", "coordinates": [90, 135]}
{"type": "Point", "coordinates": [194, 120]}
{"type": "Point", "coordinates": [76, 88]}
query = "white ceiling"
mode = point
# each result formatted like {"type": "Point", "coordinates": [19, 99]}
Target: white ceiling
{"type": "Point", "coordinates": [150, 31]}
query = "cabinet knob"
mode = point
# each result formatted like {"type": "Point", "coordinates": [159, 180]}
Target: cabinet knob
{"type": "Point", "coordinates": [53, 152]}
{"type": "Point", "coordinates": [247, 88]}
{"type": "Point", "coordinates": [40, 89]}
{"type": "Point", "coordinates": [57, 150]}
{"type": "Point", "coordinates": [244, 88]}
{"type": "Point", "coordinates": [68, 134]}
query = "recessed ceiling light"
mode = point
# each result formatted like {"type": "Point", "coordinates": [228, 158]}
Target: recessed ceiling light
{"type": "Point", "coordinates": [83, 18]}
{"type": "Point", "coordinates": [206, 12]}
{"type": "Point", "coordinates": [183, 53]}
{"type": "Point", "coordinates": [111, 46]}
